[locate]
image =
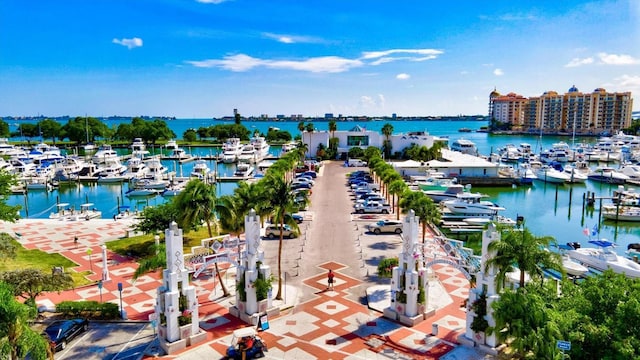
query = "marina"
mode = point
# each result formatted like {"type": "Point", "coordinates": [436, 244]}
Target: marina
{"type": "Point", "coordinates": [557, 210]}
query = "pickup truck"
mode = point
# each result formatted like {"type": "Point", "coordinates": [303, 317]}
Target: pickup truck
{"type": "Point", "coordinates": [372, 207]}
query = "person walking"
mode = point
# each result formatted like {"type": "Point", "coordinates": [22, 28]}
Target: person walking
{"type": "Point", "coordinates": [330, 277]}
{"type": "Point", "coordinates": [75, 241]}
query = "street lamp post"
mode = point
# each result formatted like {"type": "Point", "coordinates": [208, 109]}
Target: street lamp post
{"type": "Point", "coordinates": [89, 251]}
{"type": "Point", "coordinates": [121, 309]}
{"type": "Point", "coordinates": [100, 287]}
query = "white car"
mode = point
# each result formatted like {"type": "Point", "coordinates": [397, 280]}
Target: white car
{"type": "Point", "coordinates": [303, 180]}
{"type": "Point", "coordinates": [372, 207]}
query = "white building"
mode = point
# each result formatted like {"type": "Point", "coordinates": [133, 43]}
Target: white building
{"type": "Point", "coordinates": [363, 138]}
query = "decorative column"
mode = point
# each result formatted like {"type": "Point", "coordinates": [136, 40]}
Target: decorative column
{"type": "Point", "coordinates": [177, 298]}
{"type": "Point", "coordinates": [105, 265]}
{"type": "Point", "coordinates": [249, 304]}
{"type": "Point", "coordinates": [483, 295]}
{"type": "Point", "coordinates": [409, 278]}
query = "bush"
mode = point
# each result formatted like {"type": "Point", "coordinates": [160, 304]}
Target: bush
{"type": "Point", "coordinates": [385, 266]}
{"type": "Point", "coordinates": [88, 310]}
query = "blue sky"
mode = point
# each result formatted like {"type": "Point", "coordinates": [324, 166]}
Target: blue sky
{"type": "Point", "coordinates": [203, 58]}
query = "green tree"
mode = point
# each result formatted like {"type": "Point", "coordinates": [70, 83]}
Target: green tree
{"type": "Point", "coordinates": [396, 188]}
{"type": "Point", "coordinates": [424, 208]}
{"type": "Point", "coordinates": [50, 129]}
{"type": "Point", "coordinates": [7, 212]}
{"type": "Point", "coordinates": [333, 126]}
{"type": "Point", "coordinates": [196, 204]}
{"type": "Point", "coordinates": [17, 339]}
{"type": "Point", "coordinates": [157, 218]}
{"type": "Point", "coordinates": [28, 130]}
{"type": "Point", "coordinates": [387, 131]}
{"type": "Point", "coordinates": [190, 135]}
{"type": "Point", "coordinates": [519, 248]}
{"type": "Point", "coordinates": [81, 128]}
{"type": "Point", "coordinates": [4, 129]}
{"type": "Point", "coordinates": [30, 283]}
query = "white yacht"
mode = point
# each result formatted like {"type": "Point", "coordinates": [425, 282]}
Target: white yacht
{"type": "Point", "coordinates": [261, 147]}
{"type": "Point", "coordinates": [471, 204]}
{"type": "Point", "coordinates": [549, 174]}
{"type": "Point", "coordinates": [244, 170]}
{"type": "Point", "coordinates": [171, 145]}
{"type": "Point", "coordinates": [632, 171]}
{"type": "Point", "coordinates": [231, 150]}
{"type": "Point", "coordinates": [464, 146]}
{"type": "Point", "coordinates": [68, 169]}
{"type": "Point", "coordinates": [609, 175]}
{"type": "Point", "coordinates": [575, 174]}
{"type": "Point", "coordinates": [136, 168]}
{"type": "Point", "coordinates": [288, 146]}
{"type": "Point", "coordinates": [200, 169]}
{"type": "Point", "coordinates": [138, 148]}
{"type": "Point", "coordinates": [247, 154]}
{"type": "Point", "coordinates": [155, 168]}
{"type": "Point", "coordinates": [178, 154]}
{"type": "Point", "coordinates": [104, 154]}
{"type": "Point", "coordinates": [604, 257]}
{"type": "Point", "coordinates": [451, 192]}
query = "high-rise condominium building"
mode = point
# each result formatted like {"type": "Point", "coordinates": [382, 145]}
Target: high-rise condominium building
{"type": "Point", "coordinates": [574, 111]}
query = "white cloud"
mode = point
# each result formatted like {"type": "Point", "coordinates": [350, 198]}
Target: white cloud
{"type": "Point", "coordinates": [291, 39]}
{"type": "Point", "coordinates": [242, 62]}
{"type": "Point", "coordinates": [129, 43]}
{"type": "Point", "coordinates": [322, 64]}
{"type": "Point", "coordinates": [372, 102]}
{"type": "Point", "coordinates": [403, 76]}
{"type": "Point", "coordinates": [426, 54]}
{"type": "Point", "coordinates": [613, 59]}
{"type": "Point", "coordinates": [216, 2]}
{"type": "Point", "coordinates": [575, 62]}
{"type": "Point", "coordinates": [498, 72]}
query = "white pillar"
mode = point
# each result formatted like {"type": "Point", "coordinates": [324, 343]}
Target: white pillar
{"type": "Point", "coordinates": [105, 265]}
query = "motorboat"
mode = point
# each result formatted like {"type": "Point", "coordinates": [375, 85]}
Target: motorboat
{"type": "Point", "coordinates": [571, 267]}
{"type": "Point", "coordinates": [136, 168]}
{"type": "Point", "coordinates": [464, 146]}
{"type": "Point", "coordinates": [178, 154]}
{"type": "Point", "coordinates": [61, 213]}
{"type": "Point", "coordinates": [575, 175]}
{"type": "Point", "coordinates": [247, 154]}
{"type": "Point", "coordinates": [288, 146]}
{"type": "Point", "coordinates": [632, 171]}
{"type": "Point", "coordinates": [138, 148]}
{"type": "Point", "coordinates": [548, 174]}
{"type": "Point", "coordinates": [231, 150]}
{"type": "Point", "coordinates": [171, 145]}
{"type": "Point", "coordinates": [621, 212]}
{"type": "Point", "coordinates": [68, 169]}
{"type": "Point", "coordinates": [200, 169]}
{"type": "Point", "coordinates": [111, 171]}
{"type": "Point", "coordinates": [482, 221]}
{"type": "Point", "coordinates": [243, 170]}
{"type": "Point", "coordinates": [261, 147]}
{"type": "Point", "coordinates": [156, 168]}
{"type": "Point", "coordinates": [87, 212]}
{"type": "Point", "coordinates": [510, 153]}
{"type": "Point", "coordinates": [142, 192]}
{"type": "Point", "coordinates": [609, 175]}
{"type": "Point", "coordinates": [449, 193]}
{"type": "Point", "coordinates": [104, 154]}
{"type": "Point", "coordinates": [37, 183]}
{"type": "Point", "coordinates": [604, 257]}
{"type": "Point", "coordinates": [471, 204]}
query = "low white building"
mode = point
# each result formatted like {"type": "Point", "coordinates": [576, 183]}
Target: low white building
{"type": "Point", "coordinates": [457, 164]}
{"type": "Point", "coordinates": [363, 138]}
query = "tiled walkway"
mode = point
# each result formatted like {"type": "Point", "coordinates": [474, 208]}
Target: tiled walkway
{"type": "Point", "coordinates": [329, 326]}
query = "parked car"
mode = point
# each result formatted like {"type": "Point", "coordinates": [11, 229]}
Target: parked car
{"type": "Point", "coordinates": [298, 218]}
{"type": "Point", "coordinates": [372, 207]}
{"type": "Point", "coordinates": [390, 226]}
{"type": "Point", "coordinates": [273, 231]}
{"type": "Point", "coordinates": [310, 173]}
{"type": "Point", "coordinates": [302, 180]}
{"type": "Point", "coordinates": [63, 331]}
{"type": "Point", "coordinates": [300, 185]}
{"type": "Point", "coordinates": [375, 197]}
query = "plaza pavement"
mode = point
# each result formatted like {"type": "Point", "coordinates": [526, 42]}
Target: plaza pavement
{"type": "Point", "coordinates": [346, 323]}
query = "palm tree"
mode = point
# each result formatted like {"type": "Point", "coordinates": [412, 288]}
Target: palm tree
{"type": "Point", "coordinates": [333, 126]}
{"type": "Point", "coordinates": [283, 202]}
{"type": "Point", "coordinates": [17, 339]}
{"type": "Point", "coordinates": [396, 188]}
{"type": "Point", "coordinates": [195, 204]}
{"type": "Point", "coordinates": [529, 253]}
{"type": "Point", "coordinates": [310, 129]}
{"type": "Point", "coordinates": [423, 206]}
{"type": "Point", "coordinates": [387, 131]}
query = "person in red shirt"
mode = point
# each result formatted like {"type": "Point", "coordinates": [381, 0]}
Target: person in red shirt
{"type": "Point", "coordinates": [330, 277]}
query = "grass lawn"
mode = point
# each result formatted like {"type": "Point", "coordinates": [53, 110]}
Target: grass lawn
{"type": "Point", "coordinates": [37, 259]}
{"type": "Point", "coordinates": [140, 246]}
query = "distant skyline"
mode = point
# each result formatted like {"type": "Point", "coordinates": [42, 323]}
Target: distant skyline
{"type": "Point", "coordinates": [204, 58]}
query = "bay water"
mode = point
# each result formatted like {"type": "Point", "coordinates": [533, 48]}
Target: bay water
{"type": "Point", "coordinates": [548, 210]}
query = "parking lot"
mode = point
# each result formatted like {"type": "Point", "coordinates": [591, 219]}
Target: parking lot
{"type": "Point", "coordinates": [113, 341]}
